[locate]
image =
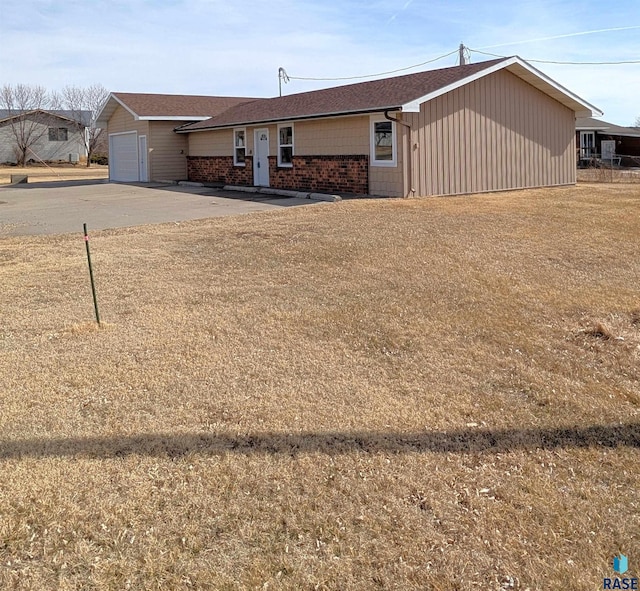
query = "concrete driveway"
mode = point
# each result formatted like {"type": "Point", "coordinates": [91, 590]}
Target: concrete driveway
{"type": "Point", "coordinates": [61, 207]}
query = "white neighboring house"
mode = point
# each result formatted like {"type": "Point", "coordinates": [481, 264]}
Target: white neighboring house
{"type": "Point", "coordinates": [52, 135]}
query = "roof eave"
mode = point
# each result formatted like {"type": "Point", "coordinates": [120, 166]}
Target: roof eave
{"type": "Point", "coordinates": [524, 71]}
{"type": "Point", "coordinates": [172, 118]}
{"type": "Point", "coordinates": [109, 108]}
{"type": "Point", "coordinates": [295, 118]}
{"type": "Point", "coordinates": [112, 103]}
{"type": "Point", "coordinates": [48, 114]}
{"type": "Point", "coordinates": [590, 128]}
{"type": "Point", "coordinates": [414, 105]}
{"type": "Point", "coordinates": [550, 87]}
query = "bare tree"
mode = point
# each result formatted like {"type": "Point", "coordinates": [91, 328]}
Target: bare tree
{"type": "Point", "coordinates": [83, 105]}
{"type": "Point", "coordinates": [26, 115]}
{"type": "Point", "coordinates": [637, 121]}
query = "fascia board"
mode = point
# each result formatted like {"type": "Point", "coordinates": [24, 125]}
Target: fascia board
{"type": "Point", "coordinates": [546, 80]}
{"type": "Point", "coordinates": [123, 105]}
{"type": "Point", "coordinates": [173, 118]}
{"type": "Point", "coordinates": [590, 128]}
{"type": "Point", "coordinates": [610, 131]}
{"type": "Point", "coordinates": [414, 106]}
{"type": "Point", "coordinates": [107, 107]}
{"type": "Point", "coordinates": [44, 111]}
{"type": "Point", "coordinates": [587, 108]}
{"type": "Point", "coordinates": [298, 118]}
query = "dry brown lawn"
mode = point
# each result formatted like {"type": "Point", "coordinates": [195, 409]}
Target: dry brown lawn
{"type": "Point", "coordinates": [38, 173]}
{"type": "Point", "coordinates": [609, 175]}
{"type": "Point", "coordinates": [379, 394]}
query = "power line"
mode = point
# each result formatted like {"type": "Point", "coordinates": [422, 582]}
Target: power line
{"type": "Point", "coordinates": [463, 52]}
{"type": "Point", "coordinates": [559, 62]}
{"type": "Point", "coordinates": [380, 73]}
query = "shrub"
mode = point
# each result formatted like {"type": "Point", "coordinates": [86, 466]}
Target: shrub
{"type": "Point", "coordinates": [99, 159]}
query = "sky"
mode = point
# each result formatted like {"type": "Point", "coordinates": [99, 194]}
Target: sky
{"type": "Point", "coordinates": [226, 47]}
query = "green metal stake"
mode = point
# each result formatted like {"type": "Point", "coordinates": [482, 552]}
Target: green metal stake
{"type": "Point", "coordinates": [93, 286]}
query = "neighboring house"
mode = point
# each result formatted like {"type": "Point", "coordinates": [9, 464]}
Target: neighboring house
{"type": "Point", "coordinates": [621, 144]}
{"type": "Point", "coordinates": [495, 125]}
{"type": "Point", "coordinates": [142, 143]}
{"type": "Point", "coordinates": [53, 135]}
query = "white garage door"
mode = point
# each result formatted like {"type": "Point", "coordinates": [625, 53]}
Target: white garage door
{"type": "Point", "coordinates": [123, 157]}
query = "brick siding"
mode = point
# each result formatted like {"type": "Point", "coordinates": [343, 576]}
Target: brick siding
{"type": "Point", "coordinates": [341, 174]}
{"type": "Point", "coordinates": [219, 169]}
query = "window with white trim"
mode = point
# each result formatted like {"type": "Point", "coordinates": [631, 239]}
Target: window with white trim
{"type": "Point", "coordinates": [58, 134]}
{"type": "Point", "coordinates": [239, 146]}
{"type": "Point", "coordinates": [587, 144]}
{"type": "Point", "coordinates": [285, 145]}
{"type": "Point", "coordinates": [383, 142]}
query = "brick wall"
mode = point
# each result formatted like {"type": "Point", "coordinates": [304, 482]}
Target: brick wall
{"type": "Point", "coordinates": [340, 174]}
{"type": "Point", "coordinates": [219, 169]}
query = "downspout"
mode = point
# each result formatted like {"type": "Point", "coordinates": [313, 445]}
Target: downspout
{"type": "Point", "coordinates": [409, 156]}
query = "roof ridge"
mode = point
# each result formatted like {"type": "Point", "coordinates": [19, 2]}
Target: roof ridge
{"type": "Point", "coordinates": [391, 93]}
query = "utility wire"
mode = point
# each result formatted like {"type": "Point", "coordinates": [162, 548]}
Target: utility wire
{"type": "Point", "coordinates": [283, 75]}
{"type": "Point", "coordinates": [380, 73]}
{"type": "Point", "coordinates": [559, 62]}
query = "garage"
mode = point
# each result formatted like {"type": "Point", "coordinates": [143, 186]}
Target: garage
{"type": "Point", "coordinates": [123, 157]}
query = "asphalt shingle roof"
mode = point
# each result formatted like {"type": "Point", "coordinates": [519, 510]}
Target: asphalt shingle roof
{"type": "Point", "coordinates": [173, 105]}
{"type": "Point", "coordinates": [84, 117]}
{"type": "Point", "coordinates": [374, 95]}
{"type": "Point", "coordinates": [589, 123]}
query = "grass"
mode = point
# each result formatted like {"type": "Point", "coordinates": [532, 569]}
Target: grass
{"type": "Point", "coordinates": [387, 394]}
{"type": "Point", "coordinates": [40, 172]}
{"type": "Point", "coordinates": [609, 175]}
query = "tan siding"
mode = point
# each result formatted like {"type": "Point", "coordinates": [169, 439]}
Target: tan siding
{"type": "Point", "coordinates": [387, 181]}
{"type": "Point", "coordinates": [212, 143]}
{"type": "Point", "coordinates": [328, 137]}
{"type": "Point", "coordinates": [495, 133]}
{"type": "Point", "coordinates": [122, 120]}
{"type": "Point", "coordinates": [332, 137]}
{"type": "Point", "coordinates": [168, 151]}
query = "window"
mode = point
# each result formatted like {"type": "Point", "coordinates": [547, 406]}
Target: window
{"type": "Point", "coordinates": [285, 145]}
{"type": "Point", "coordinates": [239, 147]}
{"type": "Point", "coordinates": [383, 142]}
{"type": "Point", "coordinates": [58, 134]}
{"type": "Point", "coordinates": [587, 144]}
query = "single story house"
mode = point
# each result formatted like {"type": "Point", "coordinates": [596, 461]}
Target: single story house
{"type": "Point", "coordinates": [49, 135]}
{"type": "Point", "coordinates": [495, 125]}
{"type": "Point", "coordinates": [621, 144]}
{"type": "Point", "coordinates": [142, 143]}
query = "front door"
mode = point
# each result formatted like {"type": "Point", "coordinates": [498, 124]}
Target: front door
{"type": "Point", "coordinates": [261, 158]}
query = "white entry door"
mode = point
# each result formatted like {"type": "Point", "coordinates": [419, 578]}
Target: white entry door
{"type": "Point", "coordinates": [261, 158]}
{"type": "Point", "coordinates": [143, 153]}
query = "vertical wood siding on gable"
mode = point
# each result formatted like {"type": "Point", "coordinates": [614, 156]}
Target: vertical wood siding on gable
{"type": "Point", "coordinates": [493, 134]}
